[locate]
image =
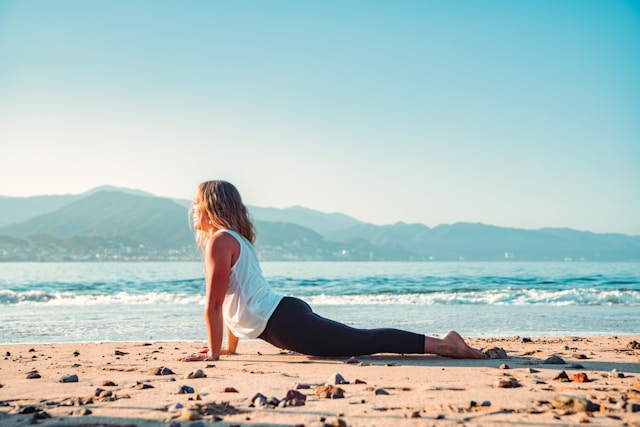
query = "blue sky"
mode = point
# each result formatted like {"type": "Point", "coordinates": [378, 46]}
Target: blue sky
{"type": "Point", "coordinates": [517, 114]}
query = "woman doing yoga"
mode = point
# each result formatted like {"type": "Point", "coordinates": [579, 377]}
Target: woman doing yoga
{"type": "Point", "coordinates": [239, 297]}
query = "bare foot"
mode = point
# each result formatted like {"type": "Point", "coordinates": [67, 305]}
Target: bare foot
{"type": "Point", "coordinates": [451, 345]}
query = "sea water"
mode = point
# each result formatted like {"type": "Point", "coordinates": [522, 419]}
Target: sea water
{"type": "Point", "coordinates": [77, 302]}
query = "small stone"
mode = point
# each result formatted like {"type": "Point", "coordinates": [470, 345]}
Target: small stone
{"type": "Point", "coordinates": [580, 356]}
{"type": "Point", "coordinates": [496, 353]}
{"type": "Point", "coordinates": [195, 374]}
{"type": "Point", "coordinates": [633, 345]}
{"type": "Point", "coordinates": [82, 412]}
{"type": "Point", "coordinates": [162, 370]}
{"type": "Point", "coordinates": [580, 377]}
{"type": "Point", "coordinates": [190, 414]}
{"type": "Point", "coordinates": [485, 403]}
{"type": "Point", "coordinates": [8, 354]}
{"type": "Point", "coordinates": [141, 386]}
{"type": "Point", "coordinates": [329, 392]}
{"type": "Point", "coordinates": [107, 383]}
{"type": "Point", "coordinates": [353, 360]}
{"type": "Point", "coordinates": [576, 366]}
{"type": "Point", "coordinates": [504, 366]}
{"type": "Point", "coordinates": [533, 371]}
{"type": "Point", "coordinates": [616, 374]}
{"type": "Point", "coordinates": [302, 386]}
{"type": "Point", "coordinates": [633, 407]}
{"type": "Point", "coordinates": [69, 378]}
{"type": "Point", "coordinates": [259, 400]}
{"type": "Point", "coordinates": [76, 353]}
{"type": "Point", "coordinates": [120, 353]}
{"type": "Point", "coordinates": [562, 376]}
{"type": "Point", "coordinates": [185, 389]}
{"type": "Point", "coordinates": [554, 360]}
{"type": "Point", "coordinates": [229, 390]}
{"type": "Point", "coordinates": [357, 381]}
{"type": "Point", "coordinates": [295, 398]}
{"type": "Point", "coordinates": [334, 422]}
{"type": "Point", "coordinates": [414, 414]}
{"type": "Point", "coordinates": [380, 392]}
{"type": "Point", "coordinates": [573, 404]}
{"type": "Point", "coordinates": [525, 339]}
{"type": "Point", "coordinates": [506, 383]}
{"type": "Point", "coordinates": [33, 375]}
{"type": "Point", "coordinates": [336, 379]}
{"type": "Point", "coordinates": [176, 407]}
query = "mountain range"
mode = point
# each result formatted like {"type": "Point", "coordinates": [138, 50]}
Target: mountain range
{"type": "Point", "coordinates": [110, 223]}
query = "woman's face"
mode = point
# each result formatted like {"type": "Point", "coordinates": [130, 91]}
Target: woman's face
{"type": "Point", "coordinates": [200, 217]}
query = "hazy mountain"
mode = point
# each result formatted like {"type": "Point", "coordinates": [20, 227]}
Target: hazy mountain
{"type": "Point", "coordinates": [113, 223]}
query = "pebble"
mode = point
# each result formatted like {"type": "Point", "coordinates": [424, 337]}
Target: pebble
{"type": "Point", "coordinates": [380, 392]}
{"type": "Point", "coordinates": [141, 386]}
{"type": "Point", "coordinates": [295, 398]}
{"type": "Point", "coordinates": [329, 392]}
{"type": "Point", "coordinates": [336, 379]}
{"type": "Point", "coordinates": [189, 414]}
{"type": "Point", "coordinates": [259, 400]}
{"type": "Point", "coordinates": [302, 386]}
{"type": "Point", "coordinates": [229, 390]}
{"type": "Point", "coordinates": [334, 422]}
{"type": "Point", "coordinates": [554, 360]}
{"type": "Point", "coordinates": [353, 360]}
{"type": "Point", "coordinates": [69, 378]}
{"type": "Point", "coordinates": [576, 366]}
{"type": "Point", "coordinates": [176, 407]}
{"type": "Point", "coordinates": [185, 389]}
{"type": "Point", "coordinates": [562, 376]}
{"type": "Point", "coordinates": [108, 383]}
{"type": "Point", "coordinates": [504, 366]}
{"type": "Point", "coordinates": [33, 375]}
{"type": "Point", "coordinates": [506, 383]}
{"type": "Point", "coordinates": [574, 404]}
{"type": "Point", "coordinates": [414, 414]}
{"type": "Point", "coordinates": [580, 377]}
{"type": "Point", "coordinates": [195, 374]}
{"type": "Point", "coordinates": [162, 370]}
{"type": "Point", "coordinates": [120, 353]}
{"type": "Point", "coordinates": [81, 412]}
{"type": "Point", "coordinates": [496, 353]}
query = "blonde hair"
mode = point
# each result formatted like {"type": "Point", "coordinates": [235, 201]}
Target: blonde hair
{"type": "Point", "coordinates": [223, 205]}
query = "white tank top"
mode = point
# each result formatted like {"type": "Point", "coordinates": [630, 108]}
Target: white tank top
{"type": "Point", "coordinates": [249, 301]}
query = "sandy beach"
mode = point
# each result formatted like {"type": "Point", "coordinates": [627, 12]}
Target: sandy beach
{"type": "Point", "coordinates": [592, 380]}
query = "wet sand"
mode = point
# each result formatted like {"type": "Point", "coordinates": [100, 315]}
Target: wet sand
{"type": "Point", "coordinates": [142, 384]}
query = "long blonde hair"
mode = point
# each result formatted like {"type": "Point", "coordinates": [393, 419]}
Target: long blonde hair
{"type": "Point", "coordinates": [223, 205]}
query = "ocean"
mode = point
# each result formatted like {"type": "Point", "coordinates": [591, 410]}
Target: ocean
{"type": "Point", "coordinates": [164, 301]}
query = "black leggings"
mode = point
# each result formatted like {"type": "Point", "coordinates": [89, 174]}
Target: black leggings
{"type": "Point", "coordinates": [294, 326]}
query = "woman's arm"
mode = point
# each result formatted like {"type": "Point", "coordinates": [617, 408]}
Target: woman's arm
{"type": "Point", "coordinates": [220, 254]}
{"type": "Point", "coordinates": [232, 343]}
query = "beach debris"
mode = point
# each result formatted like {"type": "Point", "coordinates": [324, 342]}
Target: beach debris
{"type": "Point", "coordinates": [353, 360]}
{"type": "Point", "coordinates": [185, 389]}
{"type": "Point", "coordinates": [563, 377]}
{"type": "Point", "coordinates": [69, 378]}
{"type": "Point", "coordinates": [554, 360]}
{"type": "Point", "coordinates": [506, 383]}
{"type": "Point", "coordinates": [199, 373]}
{"type": "Point", "coordinates": [334, 422]}
{"type": "Point", "coordinates": [573, 404]}
{"type": "Point", "coordinates": [413, 414]}
{"type": "Point", "coordinates": [495, 353]}
{"type": "Point", "coordinates": [120, 353]}
{"type": "Point", "coordinates": [336, 379]}
{"type": "Point", "coordinates": [357, 381]}
{"type": "Point", "coordinates": [230, 390]}
{"type": "Point", "coordinates": [33, 375]}
{"type": "Point", "coordinates": [295, 398]}
{"type": "Point", "coordinates": [162, 370]}
{"type": "Point", "coordinates": [329, 392]}
{"type": "Point", "coordinates": [8, 354]}
{"type": "Point", "coordinates": [302, 386]}
{"type": "Point", "coordinates": [76, 353]}
{"type": "Point", "coordinates": [108, 383]}
{"type": "Point", "coordinates": [580, 377]}
{"type": "Point", "coordinates": [616, 374]}
{"type": "Point", "coordinates": [525, 339]}
{"type": "Point", "coordinates": [633, 345]}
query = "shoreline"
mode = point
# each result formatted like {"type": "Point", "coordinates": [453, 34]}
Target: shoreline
{"type": "Point", "coordinates": [383, 390]}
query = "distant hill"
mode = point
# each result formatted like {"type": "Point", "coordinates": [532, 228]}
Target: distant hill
{"type": "Point", "coordinates": [119, 224]}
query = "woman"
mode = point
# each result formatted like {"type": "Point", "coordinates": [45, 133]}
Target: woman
{"type": "Point", "coordinates": [239, 297]}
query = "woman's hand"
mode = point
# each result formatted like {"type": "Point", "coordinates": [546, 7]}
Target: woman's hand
{"type": "Point", "coordinates": [202, 355]}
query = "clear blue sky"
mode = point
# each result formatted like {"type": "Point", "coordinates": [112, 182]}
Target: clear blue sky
{"type": "Point", "coordinates": [513, 113]}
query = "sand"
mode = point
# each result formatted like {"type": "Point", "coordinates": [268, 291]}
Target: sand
{"type": "Point", "coordinates": [383, 390]}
